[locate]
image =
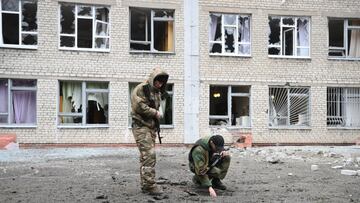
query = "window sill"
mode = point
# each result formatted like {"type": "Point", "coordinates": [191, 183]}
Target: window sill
{"type": "Point", "coordinates": [343, 59]}
{"type": "Point", "coordinates": [83, 126]}
{"type": "Point", "coordinates": [343, 128]}
{"type": "Point", "coordinates": [18, 126]}
{"type": "Point", "coordinates": [231, 55]}
{"type": "Point", "coordinates": [230, 127]}
{"type": "Point", "coordinates": [161, 127]}
{"type": "Point", "coordinates": [290, 127]}
{"type": "Point", "coordinates": [85, 50]}
{"type": "Point", "coordinates": [29, 47]}
{"type": "Point", "coordinates": [152, 52]}
{"type": "Point", "coordinates": [290, 57]}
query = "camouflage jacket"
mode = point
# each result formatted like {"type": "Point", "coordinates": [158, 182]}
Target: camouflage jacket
{"type": "Point", "coordinates": [199, 160]}
{"type": "Point", "coordinates": [140, 105]}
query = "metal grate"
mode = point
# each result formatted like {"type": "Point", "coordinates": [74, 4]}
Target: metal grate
{"type": "Point", "coordinates": [289, 106]}
{"type": "Point", "coordinates": [343, 107]}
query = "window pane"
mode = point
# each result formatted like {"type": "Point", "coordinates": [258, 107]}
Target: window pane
{"type": "Point", "coordinates": [29, 21]}
{"type": "Point", "coordinates": [240, 89]}
{"type": "Point", "coordinates": [70, 97]}
{"type": "Point", "coordinates": [244, 29]}
{"type": "Point", "coordinates": [102, 43]}
{"type": "Point", "coordinates": [336, 33]}
{"type": "Point", "coordinates": [84, 39]}
{"type": "Point", "coordinates": [274, 51]}
{"type": "Point", "coordinates": [140, 23]}
{"type": "Point", "coordinates": [24, 83]}
{"type": "Point", "coordinates": [303, 52]}
{"type": "Point", "coordinates": [354, 43]}
{"type": "Point", "coordinates": [240, 111]}
{"type": "Point", "coordinates": [215, 27]}
{"type": "Point", "coordinates": [10, 28]}
{"type": "Point", "coordinates": [67, 41]}
{"type": "Point", "coordinates": [288, 21]}
{"type": "Point", "coordinates": [10, 5]}
{"type": "Point", "coordinates": [67, 19]}
{"type": "Point", "coordinates": [288, 41]}
{"type": "Point", "coordinates": [274, 35]}
{"type": "Point", "coordinates": [354, 22]}
{"type": "Point", "coordinates": [303, 32]}
{"type": "Point", "coordinates": [97, 85]}
{"type": "Point", "coordinates": [97, 108]}
{"type": "Point", "coordinates": [278, 106]}
{"type": "Point", "coordinates": [299, 106]}
{"type": "Point", "coordinates": [3, 96]}
{"type": "Point", "coordinates": [218, 100]}
{"type": "Point", "coordinates": [77, 120]}
{"type": "Point", "coordinates": [164, 14]}
{"type": "Point", "coordinates": [102, 13]}
{"type": "Point", "coordinates": [335, 107]}
{"type": "Point", "coordinates": [166, 108]}
{"type": "Point", "coordinates": [140, 46]}
{"type": "Point", "coordinates": [3, 119]}
{"type": "Point", "coordinates": [244, 49]}
{"type": "Point", "coordinates": [28, 39]}
{"type": "Point", "coordinates": [230, 19]}
{"type": "Point", "coordinates": [102, 29]}
{"type": "Point", "coordinates": [163, 35]}
{"type": "Point", "coordinates": [230, 39]}
{"type": "Point", "coordinates": [24, 107]}
{"type": "Point", "coordinates": [85, 11]}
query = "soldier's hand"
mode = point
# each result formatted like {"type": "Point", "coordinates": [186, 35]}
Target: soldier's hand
{"type": "Point", "coordinates": [212, 192]}
{"type": "Point", "coordinates": [225, 153]}
{"type": "Point", "coordinates": [157, 115]}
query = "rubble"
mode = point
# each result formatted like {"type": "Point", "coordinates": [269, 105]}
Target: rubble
{"type": "Point", "coordinates": [349, 172]}
{"type": "Point", "coordinates": [314, 167]}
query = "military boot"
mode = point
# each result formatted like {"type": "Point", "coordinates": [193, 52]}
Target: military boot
{"type": "Point", "coordinates": [154, 191]}
{"type": "Point", "coordinates": [216, 183]}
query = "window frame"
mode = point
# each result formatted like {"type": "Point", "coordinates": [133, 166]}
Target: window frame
{"type": "Point", "coordinates": [75, 35]}
{"type": "Point", "coordinates": [152, 20]}
{"type": "Point", "coordinates": [340, 106]}
{"type": "Point", "coordinates": [162, 126]}
{"type": "Point", "coordinates": [288, 103]}
{"type": "Point", "coordinates": [230, 95]}
{"type": "Point", "coordinates": [9, 113]}
{"type": "Point", "coordinates": [84, 92]}
{"type": "Point", "coordinates": [236, 42]}
{"type": "Point", "coordinates": [20, 45]}
{"type": "Point", "coordinates": [295, 38]}
{"type": "Point", "coordinates": [345, 46]}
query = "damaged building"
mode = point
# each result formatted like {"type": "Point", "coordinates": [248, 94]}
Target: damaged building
{"type": "Point", "coordinates": [280, 71]}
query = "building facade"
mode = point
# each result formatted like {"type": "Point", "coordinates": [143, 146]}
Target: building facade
{"type": "Point", "coordinates": [283, 71]}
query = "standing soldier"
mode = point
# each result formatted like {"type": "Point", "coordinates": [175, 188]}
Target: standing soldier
{"type": "Point", "coordinates": [210, 162]}
{"type": "Point", "coordinates": [145, 102]}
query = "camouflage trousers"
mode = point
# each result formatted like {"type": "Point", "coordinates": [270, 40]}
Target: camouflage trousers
{"type": "Point", "coordinates": [145, 140]}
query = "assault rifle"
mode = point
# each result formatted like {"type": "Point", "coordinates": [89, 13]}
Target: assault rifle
{"type": "Point", "coordinates": [146, 89]}
{"type": "Point", "coordinates": [215, 158]}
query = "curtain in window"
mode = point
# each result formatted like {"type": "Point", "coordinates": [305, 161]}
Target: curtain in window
{"type": "Point", "coordinates": [213, 25]}
{"type": "Point", "coordinates": [3, 98]}
{"type": "Point", "coordinates": [24, 106]}
{"type": "Point", "coordinates": [354, 50]}
{"type": "Point", "coordinates": [303, 36]}
{"type": "Point", "coordinates": [245, 35]}
{"type": "Point", "coordinates": [352, 107]}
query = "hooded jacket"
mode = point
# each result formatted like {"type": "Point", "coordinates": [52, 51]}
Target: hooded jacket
{"type": "Point", "coordinates": [141, 110]}
{"type": "Point", "coordinates": [199, 160]}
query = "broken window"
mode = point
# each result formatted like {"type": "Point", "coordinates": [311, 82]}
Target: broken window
{"type": "Point", "coordinates": [344, 38]}
{"type": "Point", "coordinates": [289, 106]}
{"type": "Point", "coordinates": [289, 36]}
{"type": "Point", "coordinates": [229, 34]}
{"type": "Point", "coordinates": [84, 27]}
{"type": "Point", "coordinates": [83, 103]}
{"type": "Point", "coordinates": [17, 101]}
{"type": "Point", "coordinates": [343, 107]}
{"type": "Point", "coordinates": [18, 23]}
{"type": "Point", "coordinates": [151, 30]}
{"type": "Point", "coordinates": [166, 105]}
{"type": "Point", "coordinates": [230, 106]}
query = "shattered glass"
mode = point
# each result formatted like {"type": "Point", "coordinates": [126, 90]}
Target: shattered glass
{"type": "Point", "coordinates": [28, 39]}
{"type": "Point", "coordinates": [102, 29]}
{"type": "Point", "coordinates": [10, 31]}
{"type": "Point", "coordinates": [215, 48]}
{"type": "Point", "coordinates": [274, 35]}
{"type": "Point", "coordinates": [288, 21]}
{"type": "Point", "coordinates": [230, 39]}
{"type": "Point", "coordinates": [230, 19]}
{"type": "Point", "coordinates": [102, 14]}
{"type": "Point", "coordinates": [85, 11]}
{"type": "Point", "coordinates": [10, 5]}
{"type": "Point", "coordinates": [29, 20]}
{"type": "Point", "coordinates": [67, 19]}
{"type": "Point", "coordinates": [274, 51]}
{"type": "Point", "coordinates": [102, 43]}
{"type": "Point", "coordinates": [164, 14]}
{"type": "Point", "coordinates": [67, 41]}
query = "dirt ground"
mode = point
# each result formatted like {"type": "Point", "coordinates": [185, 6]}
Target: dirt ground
{"type": "Point", "coordinates": [268, 174]}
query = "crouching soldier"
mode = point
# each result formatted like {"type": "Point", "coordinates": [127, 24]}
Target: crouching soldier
{"type": "Point", "coordinates": [210, 162]}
